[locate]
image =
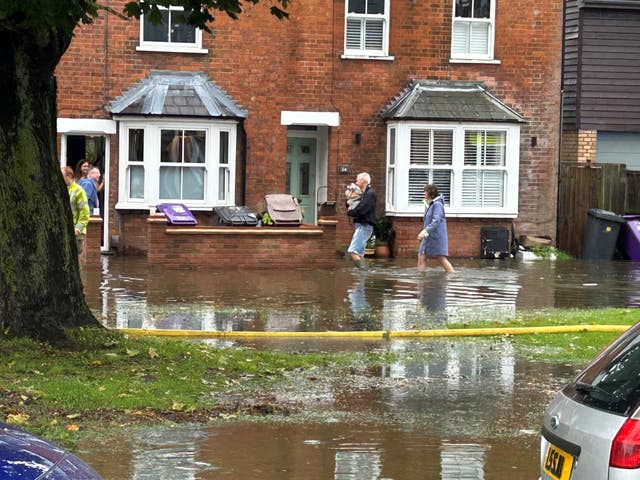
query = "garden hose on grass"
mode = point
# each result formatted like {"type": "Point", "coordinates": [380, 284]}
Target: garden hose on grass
{"type": "Point", "coordinates": [380, 334]}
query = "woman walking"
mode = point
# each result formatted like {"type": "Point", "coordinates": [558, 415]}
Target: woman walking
{"type": "Point", "coordinates": [433, 236]}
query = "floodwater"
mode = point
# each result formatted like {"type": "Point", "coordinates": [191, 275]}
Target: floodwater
{"type": "Point", "coordinates": [467, 408]}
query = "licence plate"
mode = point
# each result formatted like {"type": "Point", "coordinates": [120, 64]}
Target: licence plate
{"type": "Point", "coordinates": [558, 463]}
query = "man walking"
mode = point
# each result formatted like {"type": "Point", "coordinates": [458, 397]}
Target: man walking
{"type": "Point", "coordinates": [364, 217]}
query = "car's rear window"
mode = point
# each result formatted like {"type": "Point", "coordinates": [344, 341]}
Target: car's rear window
{"type": "Point", "coordinates": [612, 380]}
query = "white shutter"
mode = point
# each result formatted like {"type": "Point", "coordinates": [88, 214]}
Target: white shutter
{"type": "Point", "coordinates": [442, 147]}
{"type": "Point", "coordinates": [418, 178]}
{"type": "Point", "coordinates": [374, 34]}
{"type": "Point", "coordinates": [460, 38]}
{"type": "Point", "coordinates": [479, 38]}
{"type": "Point", "coordinates": [354, 34]}
{"type": "Point", "coordinates": [483, 188]}
{"type": "Point", "coordinates": [420, 146]}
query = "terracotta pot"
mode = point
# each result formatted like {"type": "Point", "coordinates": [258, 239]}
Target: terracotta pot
{"type": "Point", "coordinates": [383, 250]}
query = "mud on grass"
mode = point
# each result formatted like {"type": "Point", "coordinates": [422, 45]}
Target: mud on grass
{"type": "Point", "coordinates": [101, 379]}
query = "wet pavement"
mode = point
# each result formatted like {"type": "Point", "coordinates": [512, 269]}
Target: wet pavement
{"type": "Point", "coordinates": [467, 408]}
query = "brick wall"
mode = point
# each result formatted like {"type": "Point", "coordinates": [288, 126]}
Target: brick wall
{"type": "Point", "coordinates": [91, 255]}
{"type": "Point", "coordinates": [269, 66]}
{"type": "Point", "coordinates": [200, 247]}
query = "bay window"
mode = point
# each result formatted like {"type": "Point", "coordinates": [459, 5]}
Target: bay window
{"type": "Point", "coordinates": [162, 162]}
{"type": "Point", "coordinates": [474, 166]}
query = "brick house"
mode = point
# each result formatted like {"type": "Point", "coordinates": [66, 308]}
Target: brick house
{"type": "Point", "coordinates": [461, 93]}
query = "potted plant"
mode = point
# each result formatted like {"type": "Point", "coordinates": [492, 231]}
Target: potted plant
{"type": "Point", "coordinates": [383, 231]}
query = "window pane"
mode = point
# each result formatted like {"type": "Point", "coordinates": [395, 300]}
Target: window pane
{"type": "Point", "coordinates": [442, 180]}
{"type": "Point", "coordinates": [159, 32]}
{"type": "Point", "coordinates": [304, 179]}
{"type": "Point", "coordinates": [374, 34]}
{"type": "Point", "coordinates": [481, 8]}
{"type": "Point", "coordinates": [223, 174]}
{"type": "Point", "coordinates": [496, 145]}
{"type": "Point", "coordinates": [193, 184]}
{"type": "Point", "coordinates": [181, 31]}
{"type": "Point", "coordinates": [136, 181]}
{"type": "Point", "coordinates": [460, 38]}
{"type": "Point", "coordinates": [170, 182]}
{"type": "Point", "coordinates": [418, 178]}
{"type": "Point", "coordinates": [375, 7]}
{"type": "Point", "coordinates": [420, 145]}
{"type": "Point", "coordinates": [354, 34]}
{"type": "Point", "coordinates": [357, 6]}
{"type": "Point", "coordinates": [224, 147]}
{"type": "Point", "coordinates": [171, 146]}
{"type": "Point", "coordinates": [391, 186]}
{"type": "Point", "coordinates": [482, 188]}
{"type": "Point", "coordinates": [194, 146]}
{"type": "Point", "coordinates": [392, 146]}
{"type": "Point", "coordinates": [473, 141]}
{"type": "Point", "coordinates": [136, 145]}
{"type": "Point", "coordinates": [479, 38]}
{"type": "Point", "coordinates": [442, 147]}
{"type": "Point", "coordinates": [463, 8]}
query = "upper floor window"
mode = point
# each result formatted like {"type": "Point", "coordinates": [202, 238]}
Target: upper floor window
{"type": "Point", "coordinates": [173, 34]}
{"type": "Point", "coordinates": [472, 32]}
{"type": "Point", "coordinates": [366, 28]}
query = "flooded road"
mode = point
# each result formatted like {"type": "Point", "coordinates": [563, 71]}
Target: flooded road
{"type": "Point", "coordinates": [466, 408]}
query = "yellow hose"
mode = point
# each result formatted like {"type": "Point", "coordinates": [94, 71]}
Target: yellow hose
{"type": "Point", "coordinates": [380, 334]}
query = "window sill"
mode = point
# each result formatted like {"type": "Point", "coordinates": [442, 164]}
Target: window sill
{"type": "Point", "coordinates": [170, 49]}
{"type": "Point", "coordinates": [474, 60]}
{"type": "Point", "coordinates": [148, 207]}
{"type": "Point", "coordinates": [386, 58]}
{"type": "Point", "coordinates": [450, 214]}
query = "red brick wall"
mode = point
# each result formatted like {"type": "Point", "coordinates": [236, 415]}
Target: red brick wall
{"type": "Point", "coordinates": [268, 66]}
{"type": "Point", "coordinates": [199, 247]}
{"type": "Point", "coordinates": [91, 254]}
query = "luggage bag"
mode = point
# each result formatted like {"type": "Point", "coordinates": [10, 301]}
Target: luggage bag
{"type": "Point", "coordinates": [235, 216]}
{"type": "Point", "coordinates": [283, 209]}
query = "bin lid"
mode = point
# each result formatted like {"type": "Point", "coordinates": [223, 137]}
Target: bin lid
{"type": "Point", "coordinates": [606, 215]}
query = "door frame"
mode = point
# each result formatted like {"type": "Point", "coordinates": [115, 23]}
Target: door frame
{"type": "Point", "coordinates": [321, 136]}
{"type": "Point", "coordinates": [91, 127]}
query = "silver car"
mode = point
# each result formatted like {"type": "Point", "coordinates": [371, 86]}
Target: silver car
{"type": "Point", "coordinates": [591, 428]}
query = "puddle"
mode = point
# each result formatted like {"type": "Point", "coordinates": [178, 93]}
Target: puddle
{"type": "Point", "coordinates": [463, 409]}
{"type": "Point", "coordinates": [392, 295]}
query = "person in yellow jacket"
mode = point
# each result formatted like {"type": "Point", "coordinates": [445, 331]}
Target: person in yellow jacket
{"type": "Point", "coordinates": [79, 207]}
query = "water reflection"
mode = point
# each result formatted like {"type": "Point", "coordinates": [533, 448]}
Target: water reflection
{"type": "Point", "coordinates": [393, 295]}
{"type": "Point", "coordinates": [445, 409]}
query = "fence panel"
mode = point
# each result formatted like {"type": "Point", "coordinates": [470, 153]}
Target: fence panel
{"type": "Point", "coordinates": [584, 186]}
{"type": "Point", "coordinates": [633, 193]}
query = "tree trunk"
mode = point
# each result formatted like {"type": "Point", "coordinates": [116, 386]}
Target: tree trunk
{"type": "Point", "coordinates": [40, 285]}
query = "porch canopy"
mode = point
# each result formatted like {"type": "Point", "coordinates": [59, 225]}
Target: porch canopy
{"type": "Point", "coordinates": [172, 93]}
{"type": "Point", "coordinates": [449, 101]}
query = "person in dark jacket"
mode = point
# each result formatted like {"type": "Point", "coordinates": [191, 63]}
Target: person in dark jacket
{"type": "Point", "coordinates": [364, 218]}
{"type": "Point", "coordinates": [433, 236]}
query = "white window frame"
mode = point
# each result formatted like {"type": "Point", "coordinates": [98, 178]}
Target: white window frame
{"type": "Point", "coordinates": [456, 22]}
{"type": "Point", "coordinates": [151, 162]}
{"type": "Point", "coordinates": [397, 199]}
{"type": "Point", "coordinates": [363, 52]}
{"type": "Point", "coordinates": [169, 46]}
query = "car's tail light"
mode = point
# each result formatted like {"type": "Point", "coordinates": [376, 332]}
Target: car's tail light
{"type": "Point", "coordinates": [625, 451]}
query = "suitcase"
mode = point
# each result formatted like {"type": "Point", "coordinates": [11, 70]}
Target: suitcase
{"type": "Point", "coordinates": [235, 216]}
{"type": "Point", "coordinates": [283, 209]}
{"type": "Point", "coordinates": [177, 214]}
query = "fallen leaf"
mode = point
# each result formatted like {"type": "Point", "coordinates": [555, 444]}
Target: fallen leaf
{"type": "Point", "coordinates": [17, 418]}
{"type": "Point", "coordinates": [72, 428]}
{"type": "Point", "coordinates": [132, 353]}
{"type": "Point", "coordinates": [153, 353]}
{"type": "Point", "coordinates": [177, 406]}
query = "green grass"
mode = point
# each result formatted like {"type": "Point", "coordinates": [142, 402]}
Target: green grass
{"type": "Point", "coordinates": [575, 348]}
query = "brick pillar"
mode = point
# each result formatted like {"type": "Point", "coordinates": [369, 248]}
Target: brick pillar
{"type": "Point", "coordinates": [93, 241]}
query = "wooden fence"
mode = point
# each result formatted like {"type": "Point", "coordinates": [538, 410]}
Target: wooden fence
{"type": "Point", "coordinates": [607, 186]}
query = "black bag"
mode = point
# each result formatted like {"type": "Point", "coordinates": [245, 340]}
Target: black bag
{"type": "Point", "coordinates": [235, 216]}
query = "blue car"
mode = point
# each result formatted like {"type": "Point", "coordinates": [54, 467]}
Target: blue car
{"type": "Point", "coordinates": [27, 457]}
